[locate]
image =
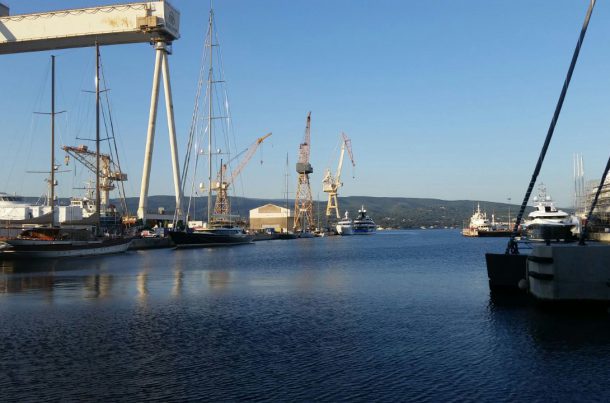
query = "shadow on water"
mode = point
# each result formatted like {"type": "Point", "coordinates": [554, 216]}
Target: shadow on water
{"type": "Point", "coordinates": [551, 327]}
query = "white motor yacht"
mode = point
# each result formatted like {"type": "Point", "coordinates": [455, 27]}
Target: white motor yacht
{"type": "Point", "coordinates": [344, 226]}
{"type": "Point", "coordinates": [547, 223]}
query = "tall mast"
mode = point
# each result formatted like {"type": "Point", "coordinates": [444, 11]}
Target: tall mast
{"type": "Point", "coordinates": [210, 78]}
{"type": "Point", "coordinates": [52, 201]}
{"type": "Point", "coordinates": [286, 191]}
{"type": "Point", "coordinates": [97, 130]}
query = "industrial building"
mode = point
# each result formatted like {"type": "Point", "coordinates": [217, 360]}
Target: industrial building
{"type": "Point", "coordinates": [271, 216]}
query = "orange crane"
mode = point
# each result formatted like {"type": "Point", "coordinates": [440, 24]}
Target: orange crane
{"type": "Point", "coordinates": [303, 203]}
{"type": "Point", "coordinates": [331, 184]}
{"type": "Point", "coordinates": [222, 205]}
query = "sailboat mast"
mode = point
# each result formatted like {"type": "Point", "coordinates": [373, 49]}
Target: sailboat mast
{"type": "Point", "coordinates": [97, 129]}
{"type": "Point", "coordinates": [210, 77]}
{"type": "Point", "coordinates": [52, 201]}
{"type": "Point", "coordinates": [286, 192]}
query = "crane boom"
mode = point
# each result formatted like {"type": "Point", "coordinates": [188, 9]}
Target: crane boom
{"type": "Point", "coordinates": [140, 22]}
{"type": "Point", "coordinates": [303, 165]}
{"type": "Point", "coordinates": [346, 144]}
{"type": "Point", "coordinates": [247, 157]}
{"type": "Point", "coordinates": [222, 206]}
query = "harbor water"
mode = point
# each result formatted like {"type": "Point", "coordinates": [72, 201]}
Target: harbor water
{"type": "Point", "coordinates": [400, 315]}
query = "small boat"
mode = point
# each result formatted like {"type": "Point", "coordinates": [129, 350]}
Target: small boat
{"type": "Point", "coordinates": [363, 224]}
{"type": "Point", "coordinates": [345, 226]}
{"type": "Point", "coordinates": [547, 223]}
{"type": "Point", "coordinates": [305, 234]}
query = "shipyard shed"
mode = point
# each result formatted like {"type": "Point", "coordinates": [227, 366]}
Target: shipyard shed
{"type": "Point", "coordinates": [271, 216]}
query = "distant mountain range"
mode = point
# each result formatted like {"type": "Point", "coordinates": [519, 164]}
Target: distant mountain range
{"type": "Point", "coordinates": [391, 212]}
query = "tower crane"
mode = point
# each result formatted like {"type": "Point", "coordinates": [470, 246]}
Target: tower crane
{"type": "Point", "coordinates": [303, 204]}
{"type": "Point", "coordinates": [222, 206]}
{"type": "Point", "coordinates": [331, 184]}
{"type": "Point", "coordinates": [109, 171]}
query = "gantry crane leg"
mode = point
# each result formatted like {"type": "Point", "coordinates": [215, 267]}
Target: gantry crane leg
{"type": "Point", "coordinates": [161, 63]}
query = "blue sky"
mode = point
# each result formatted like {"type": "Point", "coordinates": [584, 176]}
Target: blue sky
{"type": "Point", "coordinates": [442, 99]}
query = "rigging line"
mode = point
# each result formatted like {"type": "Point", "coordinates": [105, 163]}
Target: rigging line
{"type": "Point", "coordinates": [194, 118]}
{"type": "Point", "coordinates": [512, 247]}
{"type": "Point", "coordinates": [112, 146]}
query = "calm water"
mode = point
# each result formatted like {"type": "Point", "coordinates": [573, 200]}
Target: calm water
{"type": "Point", "coordinates": [395, 316]}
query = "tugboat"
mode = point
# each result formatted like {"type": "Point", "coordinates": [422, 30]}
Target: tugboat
{"type": "Point", "coordinates": [363, 224]}
{"type": "Point", "coordinates": [345, 226]}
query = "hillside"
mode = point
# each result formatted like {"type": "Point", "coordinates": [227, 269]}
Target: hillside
{"type": "Point", "coordinates": [395, 212]}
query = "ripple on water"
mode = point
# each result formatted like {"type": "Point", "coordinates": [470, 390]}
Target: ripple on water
{"type": "Point", "coordinates": [397, 316]}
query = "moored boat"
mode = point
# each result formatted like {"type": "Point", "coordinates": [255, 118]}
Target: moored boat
{"type": "Point", "coordinates": [345, 225]}
{"type": "Point", "coordinates": [55, 242]}
{"type": "Point", "coordinates": [547, 223]}
{"type": "Point", "coordinates": [363, 224]}
{"type": "Point", "coordinates": [222, 236]}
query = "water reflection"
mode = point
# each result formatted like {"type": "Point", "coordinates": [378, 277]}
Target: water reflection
{"type": "Point", "coordinates": [98, 286]}
{"type": "Point", "coordinates": [551, 327]}
{"type": "Point", "coordinates": [219, 280]}
{"type": "Point", "coordinates": [142, 287]}
{"type": "Point", "coordinates": [178, 283]}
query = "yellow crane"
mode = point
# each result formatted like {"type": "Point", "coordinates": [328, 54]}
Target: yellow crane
{"type": "Point", "coordinates": [222, 205]}
{"type": "Point", "coordinates": [331, 184]}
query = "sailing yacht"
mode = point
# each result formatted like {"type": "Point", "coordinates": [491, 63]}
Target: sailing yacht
{"type": "Point", "coordinates": [53, 241]}
{"type": "Point", "coordinates": [222, 228]}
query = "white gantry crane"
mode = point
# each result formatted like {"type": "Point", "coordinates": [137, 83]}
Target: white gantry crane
{"type": "Point", "coordinates": [331, 184]}
{"type": "Point", "coordinates": [155, 22]}
{"type": "Point", "coordinates": [222, 206]}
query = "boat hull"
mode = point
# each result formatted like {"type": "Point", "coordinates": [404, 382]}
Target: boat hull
{"type": "Point", "coordinates": [363, 231]}
{"type": "Point", "coordinates": [505, 271]}
{"type": "Point", "coordinates": [205, 239]}
{"type": "Point", "coordinates": [344, 229]}
{"type": "Point", "coordinates": [547, 232]}
{"type": "Point", "coordinates": [57, 249]}
{"type": "Point", "coordinates": [494, 233]}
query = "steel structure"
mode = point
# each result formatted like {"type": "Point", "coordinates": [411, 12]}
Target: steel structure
{"type": "Point", "coordinates": [222, 205]}
{"type": "Point", "coordinates": [331, 184]}
{"type": "Point", "coordinates": [109, 171]}
{"type": "Point", "coordinates": [303, 203]}
{"type": "Point", "coordinates": [155, 22]}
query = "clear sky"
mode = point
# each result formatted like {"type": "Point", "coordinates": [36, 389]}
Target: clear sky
{"type": "Point", "coordinates": [442, 99]}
